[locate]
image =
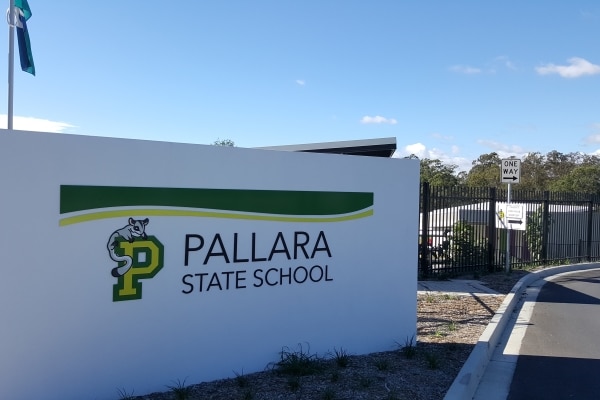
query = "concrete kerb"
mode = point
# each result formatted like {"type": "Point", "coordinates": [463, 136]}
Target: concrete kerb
{"type": "Point", "coordinates": [467, 380]}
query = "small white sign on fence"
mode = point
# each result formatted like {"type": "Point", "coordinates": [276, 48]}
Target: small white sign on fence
{"type": "Point", "coordinates": [511, 216]}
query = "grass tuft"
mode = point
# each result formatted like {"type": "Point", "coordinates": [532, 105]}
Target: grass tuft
{"type": "Point", "coordinates": [241, 379]}
{"type": "Point", "coordinates": [124, 395]}
{"type": "Point", "coordinates": [298, 362]}
{"type": "Point", "coordinates": [341, 356]}
{"type": "Point", "coordinates": [409, 349]}
{"type": "Point", "coordinates": [180, 390]}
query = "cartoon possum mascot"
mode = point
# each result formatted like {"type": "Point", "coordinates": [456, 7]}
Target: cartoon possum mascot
{"type": "Point", "coordinates": [135, 228]}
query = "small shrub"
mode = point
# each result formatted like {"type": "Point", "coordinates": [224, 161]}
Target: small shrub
{"type": "Point", "coordinates": [241, 379]}
{"type": "Point", "coordinates": [409, 350]}
{"type": "Point", "coordinates": [124, 395]}
{"type": "Point", "coordinates": [452, 326]}
{"type": "Point", "coordinates": [429, 298]}
{"type": "Point", "coordinates": [248, 395]}
{"type": "Point", "coordinates": [180, 391]}
{"type": "Point", "coordinates": [342, 358]}
{"type": "Point", "coordinates": [299, 362]}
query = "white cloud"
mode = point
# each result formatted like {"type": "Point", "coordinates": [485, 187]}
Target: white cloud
{"type": "Point", "coordinates": [595, 138]}
{"type": "Point", "coordinates": [378, 120]}
{"type": "Point", "coordinates": [301, 82]}
{"type": "Point", "coordinates": [418, 149]}
{"type": "Point", "coordinates": [491, 67]}
{"type": "Point", "coordinates": [506, 62]}
{"type": "Point", "coordinates": [442, 137]}
{"type": "Point", "coordinates": [503, 150]}
{"type": "Point", "coordinates": [35, 124]}
{"type": "Point", "coordinates": [578, 67]}
{"type": "Point", "coordinates": [421, 151]}
{"type": "Point", "coordinates": [465, 69]}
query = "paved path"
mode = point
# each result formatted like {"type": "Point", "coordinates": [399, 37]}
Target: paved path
{"type": "Point", "coordinates": [559, 357]}
{"type": "Point", "coordinates": [455, 286]}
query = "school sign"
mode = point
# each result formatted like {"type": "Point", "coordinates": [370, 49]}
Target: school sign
{"type": "Point", "coordinates": [130, 264]}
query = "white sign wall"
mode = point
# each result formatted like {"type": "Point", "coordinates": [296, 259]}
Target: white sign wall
{"type": "Point", "coordinates": [131, 264]}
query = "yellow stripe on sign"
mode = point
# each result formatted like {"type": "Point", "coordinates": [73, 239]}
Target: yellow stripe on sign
{"type": "Point", "coordinates": [206, 214]}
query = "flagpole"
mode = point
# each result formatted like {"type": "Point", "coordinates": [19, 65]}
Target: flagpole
{"type": "Point", "coordinates": [11, 60]}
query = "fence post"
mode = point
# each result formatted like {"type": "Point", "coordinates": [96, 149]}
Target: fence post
{"type": "Point", "coordinates": [423, 250]}
{"type": "Point", "coordinates": [491, 245]}
{"type": "Point", "coordinates": [589, 228]}
{"type": "Point", "coordinates": [545, 227]}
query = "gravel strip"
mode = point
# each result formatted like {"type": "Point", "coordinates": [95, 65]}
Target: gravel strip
{"type": "Point", "coordinates": [448, 326]}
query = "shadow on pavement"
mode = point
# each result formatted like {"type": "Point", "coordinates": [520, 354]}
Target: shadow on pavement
{"type": "Point", "coordinates": [555, 292]}
{"type": "Point", "coordinates": [564, 378]}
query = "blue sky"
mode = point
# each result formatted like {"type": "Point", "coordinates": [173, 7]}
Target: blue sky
{"type": "Point", "coordinates": [449, 79]}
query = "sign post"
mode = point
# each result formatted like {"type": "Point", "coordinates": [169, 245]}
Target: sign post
{"type": "Point", "coordinates": [510, 172]}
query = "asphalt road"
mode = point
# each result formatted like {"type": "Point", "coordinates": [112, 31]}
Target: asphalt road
{"type": "Point", "coordinates": [560, 353]}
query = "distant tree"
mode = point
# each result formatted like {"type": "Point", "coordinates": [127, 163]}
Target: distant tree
{"type": "Point", "coordinates": [582, 178]}
{"type": "Point", "coordinates": [224, 142]}
{"type": "Point", "coordinates": [485, 171]}
{"type": "Point", "coordinates": [588, 159]}
{"type": "Point", "coordinates": [462, 177]}
{"type": "Point", "coordinates": [534, 175]}
{"type": "Point", "coordinates": [437, 173]}
{"type": "Point", "coordinates": [558, 165]}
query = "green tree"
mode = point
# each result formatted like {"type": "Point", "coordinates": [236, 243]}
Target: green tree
{"type": "Point", "coordinates": [558, 165]}
{"type": "Point", "coordinates": [465, 250]}
{"type": "Point", "coordinates": [437, 173]}
{"type": "Point", "coordinates": [485, 171]}
{"type": "Point", "coordinates": [534, 175]}
{"type": "Point", "coordinates": [582, 178]}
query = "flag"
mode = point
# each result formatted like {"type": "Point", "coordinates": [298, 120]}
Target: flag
{"type": "Point", "coordinates": [22, 14]}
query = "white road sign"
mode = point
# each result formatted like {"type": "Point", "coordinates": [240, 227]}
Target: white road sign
{"type": "Point", "coordinates": [510, 170]}
{"type": "Point", "coordinates": [511, 216]}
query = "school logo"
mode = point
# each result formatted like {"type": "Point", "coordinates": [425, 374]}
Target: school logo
{"type": "Point", "coordinates": [137, 256]}
{"type": "Point", "coordinates": [134, 255]}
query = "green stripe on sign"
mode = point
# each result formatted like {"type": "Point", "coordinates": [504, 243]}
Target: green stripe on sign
{"type": "Point", "coordinates": [75, 198]}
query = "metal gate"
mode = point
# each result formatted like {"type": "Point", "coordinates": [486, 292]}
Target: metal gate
{"type": "Point", "coordinates": [465, 230]}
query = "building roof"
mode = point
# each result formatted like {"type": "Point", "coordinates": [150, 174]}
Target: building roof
{"type": "Point", "coordinates": [382, 147]}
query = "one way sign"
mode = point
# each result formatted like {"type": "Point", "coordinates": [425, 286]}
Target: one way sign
{"type": "Point", "coordinates": [510, 170]}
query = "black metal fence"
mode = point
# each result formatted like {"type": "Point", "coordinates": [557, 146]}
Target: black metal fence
{"type": "Point", "coordinates": [464, 230]}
